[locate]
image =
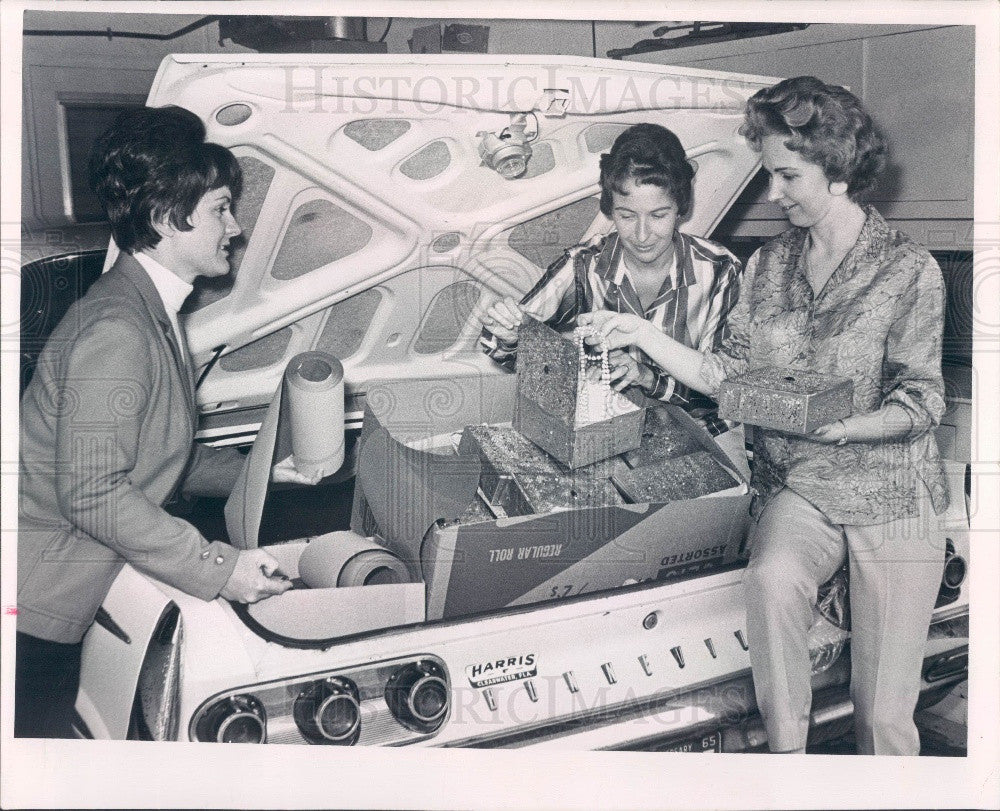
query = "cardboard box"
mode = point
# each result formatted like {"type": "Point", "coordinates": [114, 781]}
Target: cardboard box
{"type": "Point", "coordinates": [548, 372]}
{"type": "Point", "coordinates": [792, 400]}
{"type": "Point", "coordinates": [419, 497]}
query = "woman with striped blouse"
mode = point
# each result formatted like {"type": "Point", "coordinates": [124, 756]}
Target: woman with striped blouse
{"type": "Point", "coordinates": [684, 285]}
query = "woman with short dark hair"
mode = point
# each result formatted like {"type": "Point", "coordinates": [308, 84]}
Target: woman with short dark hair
{"type": "Point", "coordinates": [841, 293]}
{"type": "Point", "coordinates": [681, 284]}
{"type": "Point", "coordinates": [108, 419]}
{"type": "Point", "coordinates": [157, 163]}
{"type": "Point", "coordinates": [647, 153]}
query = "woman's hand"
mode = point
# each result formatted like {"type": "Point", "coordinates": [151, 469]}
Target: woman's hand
{"type": "Point", "coordinates": [833, 433]}
{"type": "Point", "coordinates": [627, 371]}
{"type": "Point", "coordinates": [615, 330]}
{"type": "Point", "coordinates": [255, 576]}
{"type": "Point", "coordinates": [285, 472]}
{"type": "Point", "coordinates": [503, 318]}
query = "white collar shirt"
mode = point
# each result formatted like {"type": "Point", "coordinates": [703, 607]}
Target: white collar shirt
{"type": "Point", "coordinates": [172, 290]}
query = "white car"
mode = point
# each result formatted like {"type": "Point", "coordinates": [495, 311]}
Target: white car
{"type": "Point", "coordinates": [387, 201]}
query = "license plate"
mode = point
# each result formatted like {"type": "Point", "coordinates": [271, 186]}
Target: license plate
{"type": "Point", "coordinates": [700, 745]}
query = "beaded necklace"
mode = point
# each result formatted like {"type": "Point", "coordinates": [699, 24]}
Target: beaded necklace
{"type": "Point", "coordinates": [596, 400]}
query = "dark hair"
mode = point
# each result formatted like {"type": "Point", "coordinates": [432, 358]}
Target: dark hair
{"type": "Point", "coordinates": [647, 153]}
{"type": "Point", "coordinates": [824, 123]}
{"type": "Point", "coordinates": [154, 163]}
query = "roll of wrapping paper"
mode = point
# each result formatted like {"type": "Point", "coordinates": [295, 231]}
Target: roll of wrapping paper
{"type": "Point", "coordinates": [348, 559]}
{"type": "Point", "coordinates": [305, 418]}
{"type": "Point", "coordinates": [315, 383]}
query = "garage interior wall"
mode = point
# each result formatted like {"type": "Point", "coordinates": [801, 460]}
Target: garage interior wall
{"type": "Point", "coordinates": [925, 105]}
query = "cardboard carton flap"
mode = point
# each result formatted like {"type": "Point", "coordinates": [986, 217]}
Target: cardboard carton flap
{"type": "Point", "coordinates": [407, 490]}
{"type": "Point", "coordinates": [705, 440]}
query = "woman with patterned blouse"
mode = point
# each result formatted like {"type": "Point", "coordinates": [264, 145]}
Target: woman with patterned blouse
{"type": "Point", "coordinates": [844, 294]}
{"type": "Point", "coordinates": [682, 284]}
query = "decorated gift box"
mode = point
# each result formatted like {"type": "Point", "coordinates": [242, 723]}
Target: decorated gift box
{"type": "Point", "coordinates": [792, 400]}
{"type": "Point", "coordinates": [564, 402]}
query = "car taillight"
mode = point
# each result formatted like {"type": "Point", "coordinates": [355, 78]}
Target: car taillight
{"type": "Point", "coordinates": [386, 703]}
{"type": "Point", "coordinates": [955, 571]}
{"type": "Point", "coordinates": [238, 719]}
{"type": "Point", "coordinates": [417, 695]}
{"type": "Point", "coordinates": [329, 712]}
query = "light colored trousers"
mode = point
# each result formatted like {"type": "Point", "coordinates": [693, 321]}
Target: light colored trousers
{"type": "Point", "coordinates": [895, 571]}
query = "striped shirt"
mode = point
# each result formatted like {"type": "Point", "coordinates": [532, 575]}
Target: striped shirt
{"type": "Point", "coordinates": [691, 306]}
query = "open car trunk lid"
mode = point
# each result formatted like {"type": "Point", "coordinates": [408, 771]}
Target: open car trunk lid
{"type": "Point", "coordinates": [373, 228]}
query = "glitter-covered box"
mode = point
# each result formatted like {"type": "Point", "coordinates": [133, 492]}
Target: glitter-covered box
{"type": "Point", "coordinates": [792, 400]}
{"type": "Point", "coordinates": [520, 478]}
{"type": "Point", "coordinates": [693, 475]}
{"type": "Point", "coordinates": [548, 402]}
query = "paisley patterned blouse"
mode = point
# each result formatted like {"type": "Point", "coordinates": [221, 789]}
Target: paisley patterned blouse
{"type": "Point", "coordinates": [878, 321]}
